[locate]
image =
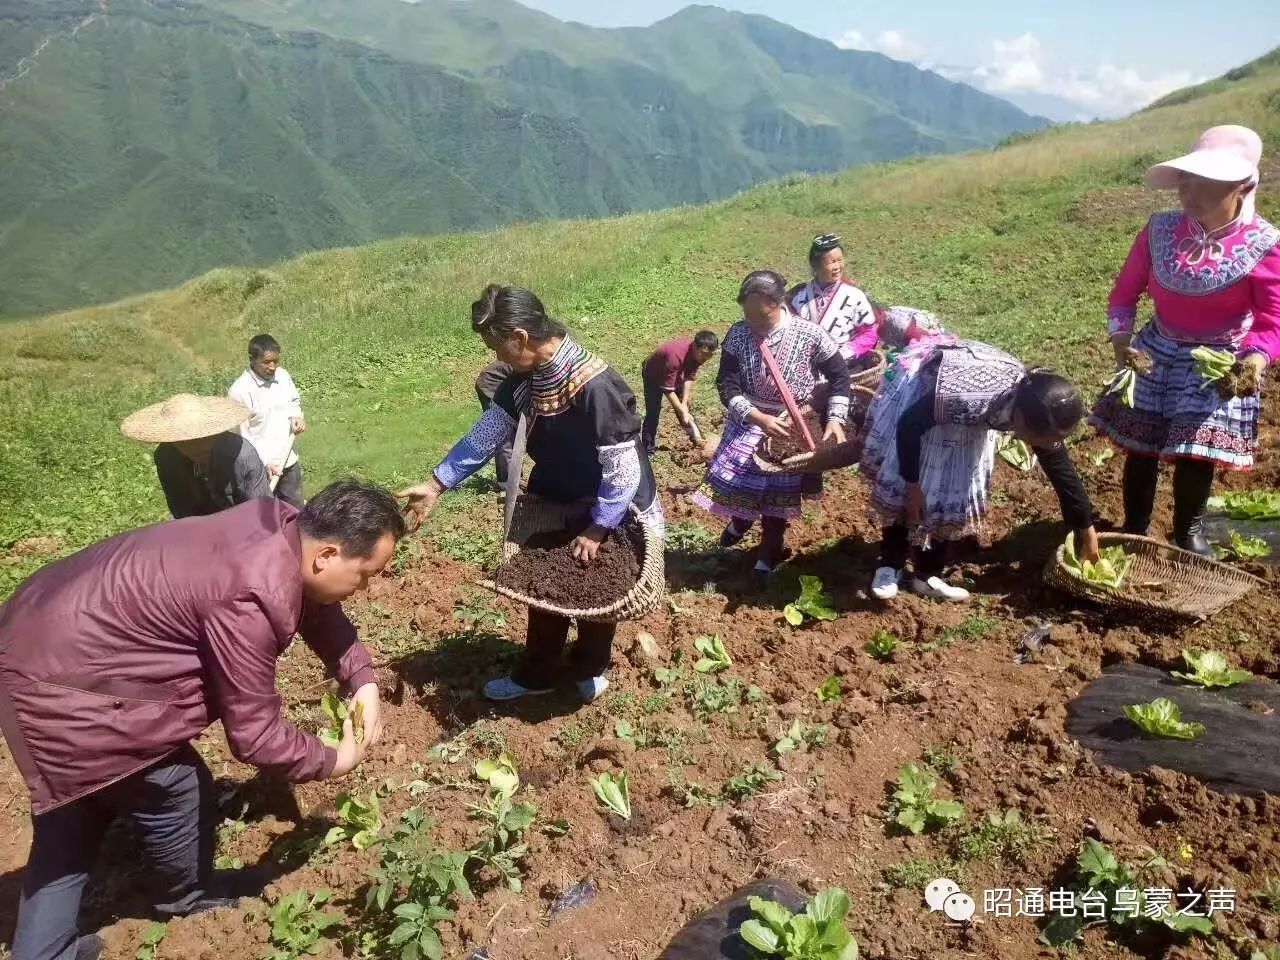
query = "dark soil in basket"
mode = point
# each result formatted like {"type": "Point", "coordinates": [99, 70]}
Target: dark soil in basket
{"type": "Point", "coordinates": [777, 451]}
{"type": "Point", "coordinates": [546, 570]}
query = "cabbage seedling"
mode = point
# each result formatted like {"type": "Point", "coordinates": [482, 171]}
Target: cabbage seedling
{"type": "Point", "coordinates": [1163, 718]}
{"type": "Point", "coordinates": [1209, 669]}
{"type": "Point", "coordinates": [817, 934]}
{"type": "Point", "coordinates": [614, 793]}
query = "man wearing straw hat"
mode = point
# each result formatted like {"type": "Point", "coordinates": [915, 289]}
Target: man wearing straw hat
{"type": "Point", "coordinates": [113, 659]}
{"type": "Point", "coordinates": [202, 464]}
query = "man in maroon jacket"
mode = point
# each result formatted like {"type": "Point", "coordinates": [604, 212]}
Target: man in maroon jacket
{"type": "Point", "coordinates": [111, 660]}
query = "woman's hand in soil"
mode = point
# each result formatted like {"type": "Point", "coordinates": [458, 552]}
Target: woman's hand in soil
{"type": "Point", "coordinates": [913, 504]}
{"type": "Point", "coordinates": [1125, 353]}
{"type": "Point", "coordinates": [1087, 545]}
{"type": "Point", "coordinates": [352, 751]}
{"type": "Point", "coordinates": [587, 544]}
{"type": "Point", "coordinates": [834, 432]}
{"type": "Point", "coordinates": [1253, 366]}
{"type": "Point", "coordinates": [772, 426]}
{"type": "Point", "coordinates": [422, 499]}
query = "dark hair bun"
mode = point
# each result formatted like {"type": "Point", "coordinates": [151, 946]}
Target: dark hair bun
{"type": "Point", "coordinates": [482, 310]}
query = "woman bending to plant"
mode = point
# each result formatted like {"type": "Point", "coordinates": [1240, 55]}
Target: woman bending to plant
{"type": "Point", "coordinates": [931, 437]}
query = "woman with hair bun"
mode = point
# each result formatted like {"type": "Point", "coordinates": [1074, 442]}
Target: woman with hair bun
{"type": "Point", "coordinates": [930, 448]}
{"type": "Point", "coordinates": [735, 488]}
{"type": "Point", "coordinates": [583, 438]}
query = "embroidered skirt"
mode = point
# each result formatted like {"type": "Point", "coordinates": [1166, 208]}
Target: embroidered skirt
{"type": "Point", "coordinates": [1175, 415]}
{"type": "Point", "coordinates": [956, 462]}
{"type": "Point", "coordinates": [736, 489]}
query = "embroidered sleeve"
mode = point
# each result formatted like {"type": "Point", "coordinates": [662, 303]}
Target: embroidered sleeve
{"type": "Point", "coordinates": [1130, 284]}
{"type": "Point", "coordinates": [619, 481]}
{"type": "Point", "coordinates": [836, 370]}
{"type": "Point", "coordinates": [825, 347]}
{"type": "Point", "coordinates": [474, 450]}
{"type": "Point", "coordinates": [1264, 286]}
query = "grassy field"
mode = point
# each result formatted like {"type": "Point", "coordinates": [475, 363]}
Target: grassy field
{"type": "Point", "coordinates": [1016, 245]}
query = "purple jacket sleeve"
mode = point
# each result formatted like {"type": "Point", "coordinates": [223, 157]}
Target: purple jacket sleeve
{"type": "Point", "coordinates": [328, 632]}
{"type": "Point", "coordinates": [239, 655]}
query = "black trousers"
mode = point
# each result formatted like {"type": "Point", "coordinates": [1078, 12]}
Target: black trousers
{"type": "Point", "coordinates": [171, 805]}
{"type": "Point", "coordinates": [895, 548]}
{"type": "Point", "coordinates": [548, 635]}
{"type": "Point", "coordinates": [289, 488]}
{"type": "Point", "coordinates": [653, 400]}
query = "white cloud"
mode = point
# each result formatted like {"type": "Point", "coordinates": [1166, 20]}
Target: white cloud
{"type": "Point", "coordinates": [892, 43]}
{"type": "Point", "coordinates": [1021, 66]}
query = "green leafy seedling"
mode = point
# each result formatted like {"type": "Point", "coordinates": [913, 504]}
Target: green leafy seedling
{"type": "Point", "coordinates": [1248, 505]}
{"type": "Point", "coordinates": [1110, 570]}
{"type": "Point", "coordinates": [813, 603]}
{"type": "Point", "coordinates": [882, 645]}
{"type": "Point", "coordinates": [829, 690]}
{"type": "Point", "coordinates": [1102, 456]}
{"type": "Point", "coordinates": [415, 935]}
{"type": "Point", "coordinates": [1163, 718]}
{"type": "Point", "coordinates": [1245, 548]}
{"type": "Point", "coordinates": [1016, 453]}
{"type": "Point", "coordinates": [1209, 669]}
{"type": "Point", "coordinates": [817, 934]}
{"type": "Point", "coordinates": [614, 792]}
{"type": "Point", "coordinates": [913, 805]}
{"type": "Point", "coordinates": [361, 822]}
{"type": "Point", "coordinates": [1124, 385]}
{"type": "Point", "coordinates": [500, 774]}
{"type": "Point", "coordinates": [714, 655]}
{"type": "Point", "coordinates": [799, 737]}
{"type": "Point", "coordinates": [336, 713]}
{"type": "Point", "coordinates": [150, 947]}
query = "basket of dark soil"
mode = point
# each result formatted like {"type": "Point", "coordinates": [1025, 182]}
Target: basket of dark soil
{"type": "Point", "coordinates": [868, 370]}
{"type": "Point", "coordinates": [1163, 578]}
{"type": "Point", "coordinates": [625, 582]}
{"type": "Point", "coordinates": [790, 456]}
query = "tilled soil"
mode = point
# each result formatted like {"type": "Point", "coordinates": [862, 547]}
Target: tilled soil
{"type": "Point", "coordinates": [954, 692]}
{"type": "Point", "coordinates": [545, 569]}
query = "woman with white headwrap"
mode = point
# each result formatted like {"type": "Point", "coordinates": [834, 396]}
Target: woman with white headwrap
{"type": "Point", "coordinates": [1212, 271]}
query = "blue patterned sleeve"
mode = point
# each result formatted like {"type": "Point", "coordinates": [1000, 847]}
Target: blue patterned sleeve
{"type": "Point", "coordinates": [475, 449]}
{"type": "Point", "coordinates": [619, 481]}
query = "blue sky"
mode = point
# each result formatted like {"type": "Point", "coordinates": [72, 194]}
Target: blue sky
{"type": "Point", "coordinates": [1107, 56]}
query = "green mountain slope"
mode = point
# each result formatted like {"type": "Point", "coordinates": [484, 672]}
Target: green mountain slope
{"type": "Point", "coordinates": [146, 142]}
{"type": "Point", "coordinates": [1017, 245]}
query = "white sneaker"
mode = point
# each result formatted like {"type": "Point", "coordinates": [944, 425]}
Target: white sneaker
{"type": "Point", "coordinates": [935, 588]}
{"type": "Point", "coordinates": [591, 689]}
{"type": "Point", "coordinates": [884, 586]}
{"type": "Point", "coordinates": [504, 688]}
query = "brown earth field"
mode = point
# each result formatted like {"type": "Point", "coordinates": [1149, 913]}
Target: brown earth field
{"type": "Point", "coordinates": [952, 694]}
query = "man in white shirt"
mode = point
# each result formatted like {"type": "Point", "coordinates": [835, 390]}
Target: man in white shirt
{"type": "Point", "coordinates": [268, 391]}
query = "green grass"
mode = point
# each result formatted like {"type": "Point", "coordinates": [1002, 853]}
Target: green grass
{"type": "Point", "coordinates": [1017, 246]}
{"type": "Point", "coordinates": [917, 873]}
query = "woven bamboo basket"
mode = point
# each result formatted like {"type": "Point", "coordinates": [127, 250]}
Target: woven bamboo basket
{"type": "Point", "coordinates": [534, 515]}
{"type": "Point", "coordinates": [1163, 578]}
{"type": "Point", "coordinates": [870, 376]}
{"type": "Point", "coordinates": [833, 458]}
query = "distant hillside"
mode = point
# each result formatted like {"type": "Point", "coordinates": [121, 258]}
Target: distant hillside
{"type": "Point", "coordinates": [1016, 245]}
{"type": "Point", "coordinates": [1262, 65]}
{"type": "Point", "coordinates": [144, 142]}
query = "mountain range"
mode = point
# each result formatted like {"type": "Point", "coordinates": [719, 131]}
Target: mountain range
{"type": "Point", "coordinates": [145, 141]}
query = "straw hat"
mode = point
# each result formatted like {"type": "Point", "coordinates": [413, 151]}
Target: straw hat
{"type": "Point", "coordinates": [184, 417]}
{"type": "Point", "coordinates": [1229, 154]}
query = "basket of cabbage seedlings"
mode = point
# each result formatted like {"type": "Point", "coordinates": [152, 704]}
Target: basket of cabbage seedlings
{"type": "Point", "coordinates": [1145, 574]}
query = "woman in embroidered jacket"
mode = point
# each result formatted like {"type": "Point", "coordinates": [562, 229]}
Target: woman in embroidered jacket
{"type": "Point", "coordinates": [1212, 271]}
{"type": "Point", "coordinates": [930, 446]}
{"type": "Point", "coordinates": [583, 439]}
{"type": "Point", "coordinates": [735, 488]}
{"type": "Point", "coordinates": [833, 303]}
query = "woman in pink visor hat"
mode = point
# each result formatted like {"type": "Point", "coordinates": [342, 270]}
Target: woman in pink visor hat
{"type": "Point", "coordinates": [1212, 271]}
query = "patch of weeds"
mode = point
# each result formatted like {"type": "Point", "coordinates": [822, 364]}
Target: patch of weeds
{"type": "Point", "coordinates": [690, 537]}
{"type": "Point", "coordinates": [707, 697]}
{"type": "Point", "coordinates": [692, 794]}
{"type": "Point", "coordinates": [656, 703]}
{"type": "Point", "coordinates": [475, 613]}
{"type": "Point", "coordinates": [974, 627]}
{"type": "Point", "coordinates": [621, 704]}
{"type": "Point", "coordinates": [476, 547]}
{"type": "Point", "coordinates": [576, 734]}
{"type": "Point", "coordinates": [228, 830]}
{"type": "Point", "coordinates": [1269, 894]}
{"type": "Point", "coordinates": [487, 735]}
{"type": "Point", "coordinates": [298, 924]}
{"type": "Point", "coordinates": [1002, 836]}
{"type": "Point", "coordinates": [752, 780]}
{"type": "Point", "coordinates": [942, 758]}
{"type": "Point", "coordinates": [918, 873]}
{"type": "Point", "coordinates": [800, 737]}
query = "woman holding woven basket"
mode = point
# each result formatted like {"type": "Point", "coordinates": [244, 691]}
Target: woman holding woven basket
{"type": "Point", "coordinates": [768, 338]}
{"type": "Point", "coordinates": [583, 436]}
{"type": "Point", "coordinates": [1212, 271]}
{"type": "Point", "coordinates": [929, 453]}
